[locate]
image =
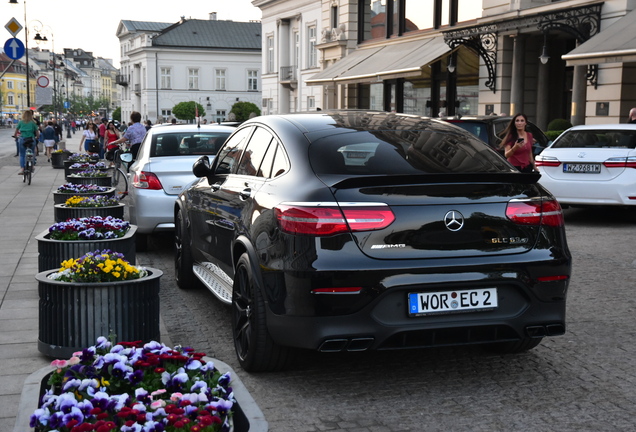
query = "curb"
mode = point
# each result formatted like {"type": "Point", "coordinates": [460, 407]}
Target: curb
{"type": "Point", "coordinates": [31, 394]}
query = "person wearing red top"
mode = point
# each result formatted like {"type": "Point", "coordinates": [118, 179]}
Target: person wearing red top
{"type": "Point", "coordinates": [102, 134]}
{"type": "Point", "coordinates": [517, 144]}
{"type": "Point", "coordinates": [111, 134]}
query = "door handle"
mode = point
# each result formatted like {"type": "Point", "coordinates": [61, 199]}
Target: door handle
{"type": "Point", "coordinates": [245, 193]}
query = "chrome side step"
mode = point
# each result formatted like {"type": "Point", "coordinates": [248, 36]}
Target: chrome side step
{"type": "Point", "coordinates": [216, 280]}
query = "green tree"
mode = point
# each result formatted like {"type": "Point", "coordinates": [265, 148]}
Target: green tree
{"type": "Point", "coordinates": [242, 110]}
{"type": "Point", "coordinates": [117, 114]}
{"type": "Point", "coordinates": [186, 111]}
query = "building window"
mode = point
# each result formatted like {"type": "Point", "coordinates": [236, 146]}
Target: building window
{"type": "Point", "coordinates": [193, 79]}
{"type": "Point", "coordinates": [166, 82]}
{"type": "Point", "coordinates": [296, 49]}
{"type": "Point", "coordinates": [10, 85]}
{"type": "Point", "coordinates": [334, 17]}
{"type": "Point", "coordinates": [10, 99]}
{"type": "Point", "coordinates": [252, 80]}
{"type": "Point", "coordinates": [220, 116]}
{"type": "Point", "coordinates": [311, 103]}
{"type": "Point", "coordinates": [312, 53]}
{"type": "Point", "coordinates": [219, 79]}
{"type": "Point", "coordinates": [270, 54]}
{"type": "Point", "coordinates": [165, 113]}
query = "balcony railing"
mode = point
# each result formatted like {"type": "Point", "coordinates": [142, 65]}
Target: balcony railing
{"type": "Point", "coordinates": [287, 73]}
{"type": "Point", "coordinates": [122, 80]}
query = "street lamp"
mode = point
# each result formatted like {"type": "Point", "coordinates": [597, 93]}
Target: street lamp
{"type": "Point", "coordinates": [39, 30]}
{"type": "Point", "coordinates": [26, 50]}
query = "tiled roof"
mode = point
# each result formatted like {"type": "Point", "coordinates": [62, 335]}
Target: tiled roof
{"type": "Point", "coordinates": [214, 34]}
{"type": "Point", "coordinates": [142, 26]}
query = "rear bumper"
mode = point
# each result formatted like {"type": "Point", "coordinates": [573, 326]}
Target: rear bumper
{"type": "Point", "coordinates": [151, 210]}
{"type": "Point", "coordinates": [619, 191]}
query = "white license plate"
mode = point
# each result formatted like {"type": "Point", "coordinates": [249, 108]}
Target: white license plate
{"type": "Point", "coordinates": [452, 301]}
{"type": "Point", "coordinates": [585, 168]}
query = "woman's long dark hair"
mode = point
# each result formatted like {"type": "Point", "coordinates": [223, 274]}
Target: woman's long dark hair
{"type": "Point", "coordinates": [510, 133]}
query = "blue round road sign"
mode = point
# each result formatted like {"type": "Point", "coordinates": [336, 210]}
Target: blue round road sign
{"type": "Point", "coordinates": [14, 48]}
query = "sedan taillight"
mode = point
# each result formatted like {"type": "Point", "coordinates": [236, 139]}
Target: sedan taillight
{"type": "Point", "coordinates": [535, 212]}
{"type": "Point", "coordinates": [621, 162]}
{"type": "Point", "coordinates": [146, 180]}
{"type": "Point", "coordinates": [550, 161]}
{"type": "Point", "coordinates": [324, 220]}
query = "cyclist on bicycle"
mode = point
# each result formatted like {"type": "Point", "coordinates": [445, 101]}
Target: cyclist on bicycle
{"type": "Point", "coordinates": [29, 133]}
{"type": "Point", "coordinates": [134, 134]}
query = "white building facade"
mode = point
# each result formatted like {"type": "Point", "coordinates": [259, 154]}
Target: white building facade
{"type": "Point", "coordinates": [292, 30]}
{"type": "Point", "coordinates": [214, 63]}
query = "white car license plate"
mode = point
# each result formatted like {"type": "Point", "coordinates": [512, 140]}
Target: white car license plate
{"type": "Point", "coordinates": [452, 301]}
{"type": "Point", "coordinates": [585, 168]}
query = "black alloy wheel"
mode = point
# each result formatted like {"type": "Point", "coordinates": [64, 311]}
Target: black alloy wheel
{"type": "Point", "coordinates": [255, 349]}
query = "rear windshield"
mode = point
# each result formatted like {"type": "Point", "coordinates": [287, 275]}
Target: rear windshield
{"type": "Point", "coordinates": [403, 152]}
{"type": "Point", "coordinates": [187, 143]}
{"type": "Point", "coordinates": [597, 139]}
{"type": "Point", "coordinates": [479, 129]}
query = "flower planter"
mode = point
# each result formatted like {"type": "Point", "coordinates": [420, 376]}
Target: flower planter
{"type": "Point", "coordinates": [53, 252]}
{"type": "Point", "coordinates": [57, 159]}
{"type": "Point", "coordinates": [61, 197]}
{"type": "Point", "coordinates": [247, 415]}
{"type": "Point", "coordinates": [99, 181]}
{"type": "Point", "coordinates": [73, 315]}
{"type": "Point", "coordinates": [61, 212]}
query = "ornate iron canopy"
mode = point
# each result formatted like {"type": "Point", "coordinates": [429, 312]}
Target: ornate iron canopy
{"type": "Point", "coordinates": [581, 22]}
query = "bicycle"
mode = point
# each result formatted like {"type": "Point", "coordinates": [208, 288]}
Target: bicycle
{"type": "Point", "coordinates": [28, 166]}
{"type": "Point", "coordinates": [120, 177]}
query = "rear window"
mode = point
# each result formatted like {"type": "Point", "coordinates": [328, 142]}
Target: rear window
{"type": "Point", "coordinates": [597, 139]}
{"type": "Point", "coordinates": [480, 130]}
{"type": "Point", "coordinates": [403, 152]}
{"type": "Point", "coordinates": [187, 143]}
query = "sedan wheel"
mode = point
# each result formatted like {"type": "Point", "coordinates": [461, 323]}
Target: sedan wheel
{"type": "Point", "coordinates": [255, 349]}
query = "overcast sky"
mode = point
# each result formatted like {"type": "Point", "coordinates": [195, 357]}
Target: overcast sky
{"type": "Point", "coordinates": [92, 25]}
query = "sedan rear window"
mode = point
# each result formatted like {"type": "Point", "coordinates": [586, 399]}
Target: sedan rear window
{"type": "Point", "coordinates": [601, 138]}
{"type": "Point", "coordinates": [403, 152]}
{"type": "Point", "coordinates": [187, 143]}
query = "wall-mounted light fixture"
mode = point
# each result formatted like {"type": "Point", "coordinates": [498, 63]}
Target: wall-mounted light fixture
{"type": "Point", "coordinates": [544, 57]}
{"type": "Point", "coordinates": [451, 63]}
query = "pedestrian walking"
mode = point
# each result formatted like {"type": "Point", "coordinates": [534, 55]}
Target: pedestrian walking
{"type": "Point", "coordinates": [135, 134]}
{"type": "Point", "coordinates": [50, 139]}
{"type": "Point", "coordinates": [517, 144]}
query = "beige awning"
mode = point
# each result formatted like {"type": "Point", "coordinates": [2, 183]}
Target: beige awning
{"type": "Point", "coordinates": [388, 61]}
{"type": "Point", "coordinates": [615, 44]}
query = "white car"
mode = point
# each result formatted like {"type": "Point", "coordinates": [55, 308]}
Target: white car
{"type": "Point", "coordinates": [591, 165]}
{"type": "Point", "coordinates": [163, 169]}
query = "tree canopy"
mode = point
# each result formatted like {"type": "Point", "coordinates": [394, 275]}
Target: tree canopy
{"type": "Point", "coordinates": [186, 110]}
{"type": "Point", "coordinates": [242, 110]}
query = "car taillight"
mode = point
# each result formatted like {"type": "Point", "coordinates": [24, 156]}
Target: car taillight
{"type": "Point", "coordinates": [550, 161]}
{"type": "Point", "coordinates": [535, 212]}
{"type": "Point", "coordinates": [621, 162]}
{"type": "Point", "coordinates": [324, 220]}
{"type": "Point", "coordinates": [146, 180]}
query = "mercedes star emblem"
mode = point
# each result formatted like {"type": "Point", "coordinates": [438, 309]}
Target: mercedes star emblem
{"type": "Point", "coordinates": [454, 220]}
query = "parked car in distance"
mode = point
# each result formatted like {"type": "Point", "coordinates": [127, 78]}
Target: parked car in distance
{"type": "Point", "coordinates": [163, 169]}
{"type": "Point", "coordinates": [489, 129]}
{"type": "Point", "coordinates": [591, 165]}
{"type": "Point", "coordinates": [434, 240]}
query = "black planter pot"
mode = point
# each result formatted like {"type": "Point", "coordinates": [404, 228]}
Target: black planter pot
{"type": "Point", "coordinates": [57, 159]}
{"type": "Point", "coordinates": [61, 197]}
{"type": "Point", "coordinates": [99, 181]}
{"type": "Point", "coordinates": [73, 315]}
{"type": "Point", "coordinates": [68, 163]}
{"type": "Point", "coordinates": [62, 213]}
{"type": "Point", "coordinates": [53, 252]}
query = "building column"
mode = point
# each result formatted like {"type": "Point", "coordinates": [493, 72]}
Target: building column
{"type": "Point", "coordinates": [579, 94]}
{"type": "Point", "coordinates": [543, 96]}
{"type": "Point", "coordinates": [518, 73]}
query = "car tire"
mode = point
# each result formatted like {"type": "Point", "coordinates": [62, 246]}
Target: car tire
{"type": "Point", "coordinates": [183, 274]}
{"type": "Point", "coordinates": [514, 347]}
{"type": "Point", "coordinates": [255, 349]}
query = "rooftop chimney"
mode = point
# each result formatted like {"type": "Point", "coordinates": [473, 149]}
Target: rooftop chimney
{"type": "Point", "coordinates": [212, 16]}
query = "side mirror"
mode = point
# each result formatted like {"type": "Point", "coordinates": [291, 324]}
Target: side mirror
{"type": "Point", "coordinates": [201, 168]}
{"type": "Point", "coordinates": [126, 157]}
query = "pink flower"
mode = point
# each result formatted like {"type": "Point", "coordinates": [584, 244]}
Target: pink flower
{"type": "Point", "coordinates": [73, 361]}
{"type": "Point", "coordinates": [59, 364]}
{"type": "Point", "coordinates": [157, 392]}
{"type": "Point", "coordinates": [158, 404]}
{"type": "Point", "coordinates": [175, 396]}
